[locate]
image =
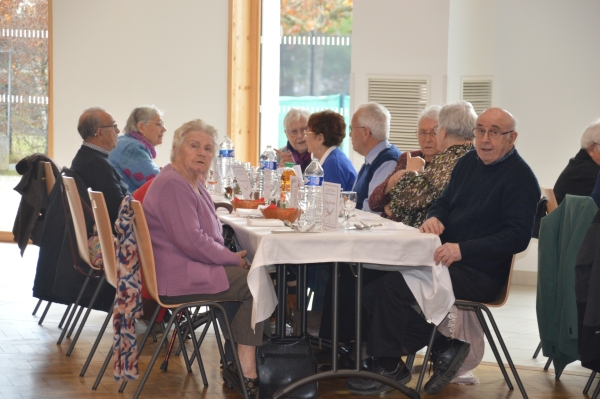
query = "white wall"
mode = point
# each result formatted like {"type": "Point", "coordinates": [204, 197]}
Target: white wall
{"type": "Point", "coordinates": [122, 54]}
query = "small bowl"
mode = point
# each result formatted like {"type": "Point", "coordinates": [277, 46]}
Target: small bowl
{"type": "Point", "coordinates": [246, 204]}
{"type": "Point", "coordinates": [282, 214]}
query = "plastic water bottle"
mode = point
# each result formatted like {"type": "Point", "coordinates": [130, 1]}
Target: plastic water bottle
{"type": "Point", "coordinates": [313, 180]}
{"type": "Point", "coordinates": [268, 160]}
{"type": "Point", "coordinates": [226, 159]}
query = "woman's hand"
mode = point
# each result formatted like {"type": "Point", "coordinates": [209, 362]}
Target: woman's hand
{"type": "Point", "coordinates": [416, 164]}
{"type": "Point", "coordinates": [285, 156]}
{"type": "Point", "coordinates": [243, 264]}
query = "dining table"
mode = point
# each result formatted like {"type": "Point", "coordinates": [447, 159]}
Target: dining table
{"type": "Point", "coordinates": [387, 245]}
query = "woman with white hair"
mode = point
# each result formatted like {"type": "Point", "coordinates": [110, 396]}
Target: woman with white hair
{"type": "Point", "coordinates": [191, 261]}
{"type": "Point", "coordinates": [427, 136]}
{"type": "Point", "coordinates": [296, 149]}
{"type": "Point", "coordinates": [579, 177]}
{"type": "Point", "coordinates": [133, 156]}
{"type": "Point", "coordinates": [413, 195]}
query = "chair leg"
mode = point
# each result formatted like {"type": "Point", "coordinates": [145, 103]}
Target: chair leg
{"type": "Point", "coordinates": [206, 324]}
{"type": "Point", "coordinates": [506, 354]}
{"type": "Point", "coordinates": [548, 363]}
{"type": "Point", "coordinates": [196, 348]}
{"type": "Point", "coordinates": [492, 343]}
{"type": "Point", "coordinates": [426, 359]}
{"type": "Point", "coordinates": [36, 307]}
{"type": "Point", "coordinates": [213, 317]}
{"type": "Point", "coordinates": [75, 305]}
{"type": "Point", "coordinates": [537, 351]}
{"type": "Point", "coordinates": [596, 391]}
{"type": "Point", "coordinates": [104, 367]}
{"type": "Point", "coordinates": [146, 334]}
{"type": "Point", "coordinates": [96, 343]}
{"type": "Point", "coordinates": [87, 314]}
{"type": "Point", "coordinates": [44, 314]}
{"type": "Point", "coordinates": [75, 321]}
{"type": "Point", "coordinates": [181, 335]}
{"type": "Point", "coordinates": [589, 382]}
{"type": "Point", "coordinates": [558, 373]}
{"type": "Point", "coordinates": [62, 321]}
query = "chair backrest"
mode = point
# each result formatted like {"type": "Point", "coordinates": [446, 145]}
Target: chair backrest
{"type": "Point", "coordinates": [503, 297]}
{"type": "Point", "coordinates": [78, 219]}
{"type": "Point", "coordinates": [549, 194]}
{"type": "Point", "coordinates": [145, 252]}
{"type": "Point", "coordinates": [107, 243]}
{"type": "Point", "coordinates": [49, 176]}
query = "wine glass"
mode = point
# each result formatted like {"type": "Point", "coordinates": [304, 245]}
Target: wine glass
{"type": "Point", "coordinates": [348, 201]}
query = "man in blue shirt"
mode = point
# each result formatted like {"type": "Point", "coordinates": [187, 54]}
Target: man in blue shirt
{"type": "Point", "coordinates": [369, 133]}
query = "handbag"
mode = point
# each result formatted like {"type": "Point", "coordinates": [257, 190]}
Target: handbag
{"type": "Point", "coordinates": [281, 361]}
{"type": "Point", "coordinates": [95, 250]}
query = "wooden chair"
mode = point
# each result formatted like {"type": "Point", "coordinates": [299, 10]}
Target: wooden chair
{"type": "Point", "coordinates": [479, 308]}
{"type": "Point", "coordinates": [82, 248]}
{"type": "Point", "coordinates": [146, 256]}
{"type": "Point", "coordinates": [549, 194]}
{"type": "Point", "coordinates": [49, 179]}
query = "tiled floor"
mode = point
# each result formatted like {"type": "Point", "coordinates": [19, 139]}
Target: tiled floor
{"type": "Point", "coordinates": [33, 366]}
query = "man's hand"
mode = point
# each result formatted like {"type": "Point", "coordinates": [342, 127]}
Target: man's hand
{"type": "Point", "coordinates": [387, 210]}
{"type": "Point", "coordinates": [416, 164]}
{"type": "Point", "coordinates": [285, 156]}
{"type": "Point", "coordinates": [243, 264]}
{"type": "Point", "coordinates": [393, 180]}
{"type": "Point", "coordinates": [447, 254]}
{"type": "Point", "coordinates": [433, 226]}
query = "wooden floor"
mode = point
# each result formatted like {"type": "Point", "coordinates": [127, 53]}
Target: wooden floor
{"type": "Point", "coordinates": [33, 366]}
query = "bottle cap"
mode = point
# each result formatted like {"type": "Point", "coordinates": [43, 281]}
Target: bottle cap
{"type": "Point", "coordinates": [289, 164]}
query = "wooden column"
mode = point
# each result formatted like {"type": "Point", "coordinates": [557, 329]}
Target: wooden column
{"type": "Point", "coordinates": [243, 98]}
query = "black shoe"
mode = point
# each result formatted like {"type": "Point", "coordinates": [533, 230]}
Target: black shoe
{"type": "Point", "coordinates": [447, 364]}
{"type": "Point", "coordinates": [363, 386]}
{"type": "Point", "coordinates": [232, 379]}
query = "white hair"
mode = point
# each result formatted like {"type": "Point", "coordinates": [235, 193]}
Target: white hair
{"type": "Point", "coordinates": [142, 114]}
{"type": "Point", "coordinates": [430, 112]}
{"type": "Point", "coordinates": [196, 125]}
{"type": "Point", "coordinates": [591, 134]}
{"type": "Point", "coordinates": [293, 115]}
{"type": "Point", "coordinates": [377, 118]}
{"type": "Point", "coordinates": [459, 119]}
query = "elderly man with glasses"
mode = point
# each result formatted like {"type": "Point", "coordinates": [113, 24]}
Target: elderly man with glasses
{"type": "Point", "coordinates": [579, 176]}
{"type": "Point", "coordinates": [483, 217]}
{"type": "Point", "coordinates": [369, 133]}
{"type": "Point", "coordinates": [296, 149]}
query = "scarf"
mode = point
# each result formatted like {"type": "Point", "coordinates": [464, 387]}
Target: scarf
{"type": "Point", "coordinates": [146, 143]}
{"type": "Point", "coordinates": [303, 159]}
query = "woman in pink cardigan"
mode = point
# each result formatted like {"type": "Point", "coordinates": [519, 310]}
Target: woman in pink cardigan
{"type": "Point", "coordinates": [191, 261]}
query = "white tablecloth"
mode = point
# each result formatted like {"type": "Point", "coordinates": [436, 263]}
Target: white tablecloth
{"type": "Point", "coordinates": [386, 248]}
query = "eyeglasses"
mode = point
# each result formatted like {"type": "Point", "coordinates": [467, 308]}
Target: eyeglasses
{"type": "Point", "coordinates": [424, 133]}
{"type": "Point", "coordinates": [114, 126]}
{"type": "Point", "coordinates": [357, 127]}
{"type": "Point", "coordinates": [159, 124]}
{"type": "Point", "coordinates": [295, 132]}
{"type": "Point", "coordinates": [492, 133]}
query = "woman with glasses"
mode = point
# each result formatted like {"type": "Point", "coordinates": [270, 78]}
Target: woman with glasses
{"type": "Point", "coordinates": [413, 195]}
{"type": "Point", "coordinates": [296, 149]}
{"type": "Point", "coordinates": [428, 121]}
{"type": "Point", "coordinates": [135, 151]}
{"type": "Point", "coordinates": [326, 130]}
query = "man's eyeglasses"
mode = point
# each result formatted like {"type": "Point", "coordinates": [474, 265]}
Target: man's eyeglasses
{"type": "Point", "coordinates": [492, 133]}
{"type": "Point", "coordinates": [295, 132]}
{"type": "Point", "coordinates": [114, 126]}
{"type": "Point", "coordinates": [357, 127]}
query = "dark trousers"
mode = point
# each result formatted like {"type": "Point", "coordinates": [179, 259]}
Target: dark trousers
{"type": "Point", "coordinates": [395, 324]}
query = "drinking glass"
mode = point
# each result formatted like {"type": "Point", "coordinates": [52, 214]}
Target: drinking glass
{"type": "Point", "coordinates": [348, 202]}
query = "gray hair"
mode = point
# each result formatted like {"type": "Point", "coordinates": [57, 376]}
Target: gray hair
{"type": "Point", "coordinates": [142, 114]}
{"type": "Point", "coordinates": [377, 118]}
{"type": "Point", "coordinates": [293, 115]}
{"type": "Point", "coordinates": [89, 122]}
{"type": "Point", "coordinates": [196, 125]}
{"type": "Point", "coordinates": [431, 112]}
{"type": "Point", "coordinates": [591, 134]}
{"type": "Point", "coordinates": [459, 119]}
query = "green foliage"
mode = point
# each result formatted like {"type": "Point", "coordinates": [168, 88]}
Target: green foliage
{"type": "Point", "coordinates": [324, 16]}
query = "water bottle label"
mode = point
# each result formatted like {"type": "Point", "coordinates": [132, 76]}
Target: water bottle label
{"type": "Point", "coordinates": [271, 165]}
{"type": "Point", "coordinates": [314, 181]}
{"type": "Point", "coordinates": [226, 153]}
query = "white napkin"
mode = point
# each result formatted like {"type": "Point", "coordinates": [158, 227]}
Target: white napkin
{"type": "Point", "coordinates": [241, 212]}
{"type": "Point", "coordinates": [217, 198]}
{"type": "Point", "coordinates": [265, 223]}
{"type": "Point", "coordinates": [390, 225]}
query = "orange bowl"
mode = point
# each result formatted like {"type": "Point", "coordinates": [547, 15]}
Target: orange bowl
{"type": "Point", "coordinates": [246, 204]}
{"type": "Point", "coordinates": [290, 214]}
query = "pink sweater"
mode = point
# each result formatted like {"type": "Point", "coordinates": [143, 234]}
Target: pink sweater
{"type": "Point", "coordinates": [186, 237]}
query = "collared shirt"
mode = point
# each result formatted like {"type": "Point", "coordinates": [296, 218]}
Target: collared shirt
{"type": "Point", "coordinates": [95, 147]}
{"type": "Point", "coordinates": [324, 157]}
{"type": "Point", "coordinates": [381, 173]}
